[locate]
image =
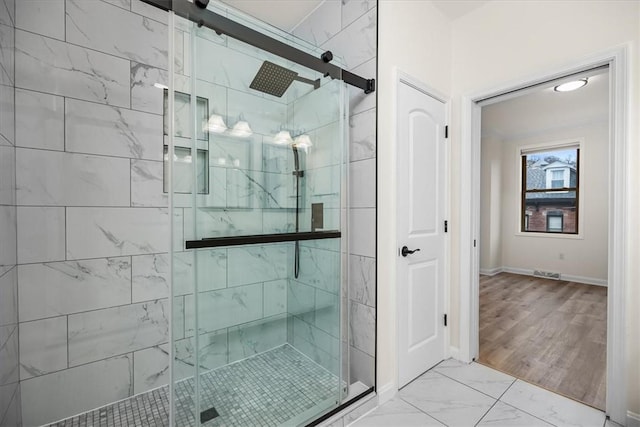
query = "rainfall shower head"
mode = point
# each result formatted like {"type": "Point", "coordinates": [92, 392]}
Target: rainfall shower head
{"type": "Point", "coordinates": [275, 80]}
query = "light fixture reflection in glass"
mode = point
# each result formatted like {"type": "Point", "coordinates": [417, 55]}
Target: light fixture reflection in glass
{"type": "Point", "coordinates": [216, 124]}
{"type": "Point", "coordinates": [241, 130]}
{"type": "Point", "coordinates": [283, 138]}
{"type": "Point", "coordinates": [303, 141]}
{"type": "Point", "coordinates": [160, 86]}
{"type": "Point", "coordinates": [569, 86]}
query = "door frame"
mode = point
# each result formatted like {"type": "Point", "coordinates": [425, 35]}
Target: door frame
{"type": "Point", "coordinates": [401, 77]}
{"type": "Point", "coordinates": [619, 138]}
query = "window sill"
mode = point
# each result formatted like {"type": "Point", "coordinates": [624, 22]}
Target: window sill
{"type": "Point", "coordinates": [578, 236]}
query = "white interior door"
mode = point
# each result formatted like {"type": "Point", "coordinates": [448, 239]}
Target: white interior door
{"type": "Point", "coordinates": [420, 222]}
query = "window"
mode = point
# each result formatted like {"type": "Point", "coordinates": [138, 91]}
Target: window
{"type": "Point", "coordinates": [555, 222]}
{"type": "Point", "coordinates": [550, 190]}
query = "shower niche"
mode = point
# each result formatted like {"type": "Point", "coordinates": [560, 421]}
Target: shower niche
{"type": "Point", "coordinates": [259, 330]}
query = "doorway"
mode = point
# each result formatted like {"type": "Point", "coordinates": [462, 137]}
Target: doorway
{"type": "Point", "coordinates": [616, 253]}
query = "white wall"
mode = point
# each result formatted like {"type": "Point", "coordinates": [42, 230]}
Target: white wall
{"type": "Point", "coordinates": [508, 41]}
{"type": "Point", "coordinates": [415, 37]}
{"type": "Point", "coordinates": [504, 246]}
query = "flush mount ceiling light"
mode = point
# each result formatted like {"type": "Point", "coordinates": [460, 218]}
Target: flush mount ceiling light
{"type": "Point", "coordinates": [241, 129]}
{"type": "Point", "coordinates": [216, 124]}
{"type": "Point", "coordinates": [283, 138]}
{"type": "Point", "coordinates": [572, 85]}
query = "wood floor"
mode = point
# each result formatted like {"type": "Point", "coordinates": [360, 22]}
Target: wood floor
{"type": "Point", "coordinates": [547, 332]}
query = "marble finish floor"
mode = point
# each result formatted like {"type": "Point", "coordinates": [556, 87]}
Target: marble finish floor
{"type": "Point", "coordinates": [278, 387]}
{"type": "Point", "coordinates": [459, 394]}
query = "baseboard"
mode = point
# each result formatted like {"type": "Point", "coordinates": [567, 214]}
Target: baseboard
{"type": "Point", "coordinates": [633, 419]}
{"type": "Point", "coordinates": [386, 393]}
{"type": "Point", "coordinates": [490, 271]}
{"type": "Point", "coordinates": [567, 277]}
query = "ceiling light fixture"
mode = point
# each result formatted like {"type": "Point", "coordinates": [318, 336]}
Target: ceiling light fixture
{"type": "Point", "coordinates": [572, 85]}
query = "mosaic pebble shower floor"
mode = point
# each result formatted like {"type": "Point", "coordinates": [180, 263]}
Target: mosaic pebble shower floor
{"type": "Point", "coordinates": [269, 389]}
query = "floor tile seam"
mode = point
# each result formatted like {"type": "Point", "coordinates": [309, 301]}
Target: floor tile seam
{"type": "Point", "coordinates": [474, 389]}
{"type": "Point", "coordinates": [422, 411]}
{"type": "Point", "coordinates": [528, 413]}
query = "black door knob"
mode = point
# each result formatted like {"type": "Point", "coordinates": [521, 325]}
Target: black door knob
{"type": "Point", "coordinates": [405, 251]}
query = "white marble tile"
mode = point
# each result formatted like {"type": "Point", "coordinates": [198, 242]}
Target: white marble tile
{"type": "Point", "coordinates": [43, 347]}
{"type": "Point", "coordinates": [320, 268]}
{"type": "Point", "coordinates": [362, 136]}
{"type": "Point", "coordinates": [358, 100]}
{"type": "Point", "coordinates": [144, 95]}
{"type": "Point", "coordinates": [44, 17]}
{"type": "Point", "coordinates": [9, 297]}
{"type": "Point", "coordinates": [59, 395]}
{"type": "Point", "coordinates": [327, 147]}
{"type": "Point", "coordinates": [253, 264]}
{"type": "Point", "coordinates": [39, 120]}
{"type": "Point", "coordinates": [8, 237]}
{"type": "Point", "coordinates": [327, 312]}
{"type": "Point", "coordinates": [9, 372]}
{"type": "Point", "coordinates": [149, 11]}
{"type": "Point", "coordinates": [58, 288]}
{"type": "Point", "coordinates": [223, 308]}
{"type": "Point", "coordinates": [301, 301]}
{"type": "Point", "coordinates": [362, 232]}
{"type": "Point", "coordinates": [219, 222]}
{"type": "Point", "coordinates": [277, 221]}
{"type": "Point", "coordinates": [7, 113]}
{"type": "Point", "coordinates": [323, 358]}
{"type": "Point", "coordinates": [318, 108]}
{"type": "Point", "coordinates": [551, 407]}
{"type": "Point", "coordinates": [362, 367]}
{"type": "Point", "coordinates": [104, 232]}
{"type": "Point", "coordinates": [362, 326]}
{"type": "Point", "coordinates": [150, 368]}
{"type": "Point", "coordinates": [315, 336]}
{"type": "Point", "coordinates": [147, 184]}
{"type": "Point", "coordinates": [7, 12]}
{"type": "Point", "coordinates": [71, 70]}
{"type": "Point", "coordinates": [275, 297]}
{"type": "Point", "coordinates": [7, 175]}
{"type": "Point", "coordinates": [396, 412]}
{"type": "Point", "coordinates": [446, 400]}
{"type": "Point", "coordinates": [41, 233]}
{"type": "Point", "coordinates": [125, 4]}
{"type": "Point", "coordinates": [487, 380]}
{"type": "Point", "coordinates": [256, 337]}
{"type": "Point", "coordinates": [53, 178]}
{"type": "Point", "coordinates": [362, 181]}
{"type": "Point", "coordinates": [322, 24]}
{"type": "Point", "coordinates": [8, 391]}
{"type": "Point", "coordinates": [99, 334]}
{"type": "Point", "coordinates": [101, 129]}
{"type": "Point", "coordinates": [323, 186]}
{"type": "Point", "coordinates": [356, 44]}
{"type": "Point", "coordinates": [362, 280]}
{"type": "Point", "coordinates": [91, 23]}
{"type": "Point", "coordinates": [13, 416]}
{"type": "Point", "coordinates": [508, 416]}
{"type": "Point", "coordinates": [609, 423]}
{"type": "Point", "coordinates": [7, 52]}
{"type": "Point", "coordinates": [354, 9]}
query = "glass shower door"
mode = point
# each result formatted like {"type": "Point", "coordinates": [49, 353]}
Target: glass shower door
{"type": "Point", "coordinates": [257, 188]}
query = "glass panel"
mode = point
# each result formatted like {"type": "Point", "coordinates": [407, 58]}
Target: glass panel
{"type": "Point", "coordinates": [258, 338]}
{"type": "Point", "coordinates": [540, 207]}
{"type": "Point", "coordinates": [551, 169]}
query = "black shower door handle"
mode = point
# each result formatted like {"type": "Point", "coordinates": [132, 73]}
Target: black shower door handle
{"type": "Point", "coordinates": [405, 251]}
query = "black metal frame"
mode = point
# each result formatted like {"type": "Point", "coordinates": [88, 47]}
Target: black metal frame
{"type": "Point", "coordinates": [258, 239]}
{"type": "Point", "coordinates": [223, 25]}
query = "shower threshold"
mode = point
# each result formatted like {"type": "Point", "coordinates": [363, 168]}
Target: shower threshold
{"type": "Point", "coordinates": [279, 386]}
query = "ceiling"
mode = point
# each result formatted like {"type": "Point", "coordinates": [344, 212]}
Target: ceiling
{"type": "Point", "coordinates": [547, 109]}
{"type": "Point", "coordinates": [284, 14]}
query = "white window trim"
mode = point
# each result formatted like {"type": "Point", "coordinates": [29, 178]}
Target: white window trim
{"type": "Point", "coordinates": [546, 146]}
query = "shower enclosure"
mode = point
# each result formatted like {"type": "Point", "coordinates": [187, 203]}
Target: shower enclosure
{"type": "Point", "coordinates": [256, 182]}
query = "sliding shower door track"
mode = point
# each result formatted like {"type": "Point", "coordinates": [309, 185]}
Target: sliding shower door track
{"type": "Point", "coordinates": [223, 25]}
{"type": "Point", "coordinates": [257, 239]}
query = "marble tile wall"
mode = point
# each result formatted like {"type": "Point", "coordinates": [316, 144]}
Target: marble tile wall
{"type": "Point", "coordinates": [348, 28]}
{"type": "Point", "coordinates": [10, 392]}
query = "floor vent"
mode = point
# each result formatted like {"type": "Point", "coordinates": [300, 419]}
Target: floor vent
{"type": "Point", "coordinates": [208, 415]}
{"type": "Point", "coordinates": [546, 274]}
